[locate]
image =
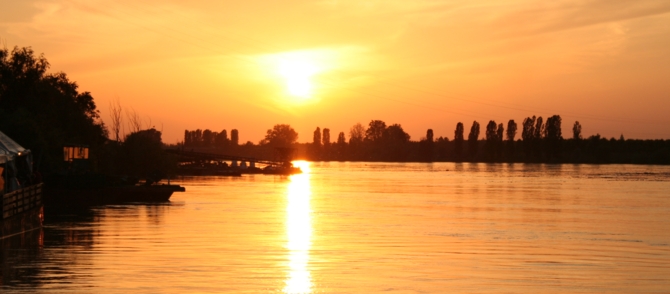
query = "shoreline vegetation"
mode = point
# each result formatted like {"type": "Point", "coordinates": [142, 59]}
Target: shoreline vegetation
{"type": "Point", "coordinates": [46, 111]}
{"type": "Point", "coordinates": [539, 142]}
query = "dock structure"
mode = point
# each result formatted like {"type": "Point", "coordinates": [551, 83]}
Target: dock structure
{"type": "Point", "coordinates": [190, 156]}
{"type": "Point", "coordinates": [201, 163]}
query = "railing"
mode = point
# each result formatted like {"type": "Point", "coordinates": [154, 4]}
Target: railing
{"type": "Point", "coordinates": [21, 200]}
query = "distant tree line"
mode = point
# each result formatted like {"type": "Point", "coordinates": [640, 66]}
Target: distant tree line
{"type": "Point", "coordinates": [207, 138]}
{"type": "Point", "coordinates": [377, 142]}
{"type": "Point", "coordinates": [540, 141]}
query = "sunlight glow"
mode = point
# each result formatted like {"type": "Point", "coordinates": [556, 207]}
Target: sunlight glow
{"type": "Point", "coordinates": [299, 231]}
{"type": "Point", "coordinates": [292, 80]}
{"type": "Point", "coordinates": [297, 73]}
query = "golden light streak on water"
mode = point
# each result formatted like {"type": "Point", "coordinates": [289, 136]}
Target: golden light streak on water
{"type": "Point", "coordinates": [299, 231]}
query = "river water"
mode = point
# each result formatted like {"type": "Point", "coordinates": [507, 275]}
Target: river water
{"type": "Point", "coordinates": [368, 228]}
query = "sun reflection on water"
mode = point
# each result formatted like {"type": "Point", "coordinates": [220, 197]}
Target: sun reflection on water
{"type": "Point", "coordinates": [299, 231]}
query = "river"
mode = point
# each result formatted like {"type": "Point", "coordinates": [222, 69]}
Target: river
{"type": "Point", "coordinates": [345, 227]}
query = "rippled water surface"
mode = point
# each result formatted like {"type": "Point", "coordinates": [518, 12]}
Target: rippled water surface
{"type": "Point", "coordinates": [366, 228]}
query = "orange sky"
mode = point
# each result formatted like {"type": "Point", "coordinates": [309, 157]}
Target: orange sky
{"type": "Point", "coordinates": [422, 64]}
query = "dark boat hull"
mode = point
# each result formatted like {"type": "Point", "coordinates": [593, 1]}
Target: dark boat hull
{"type": "Point", "coordinates": [109, 195]}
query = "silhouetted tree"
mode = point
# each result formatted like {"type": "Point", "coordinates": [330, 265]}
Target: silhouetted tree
{"type": "Point", "coordinates": [356, 136]}
{"type": "Point", "coordinates": [538, 139]}
{"type": "Point", "coordinates": [472, 139]}
{"type": "Point", "coordinates": [207, 138]}
{"type": "Point", "coordinates": [326, 137]}
{"type": "Point", "coordinates": [356, 133]}
{"type": "Point", "coordinates": [394, 133]}
{"type": "Point", "coordinates": [553, 137]}
{"type": "Point", "coordinates": [511, 130]}
{"type": "Point", "coordinates": [539, 129]}
{"type": "Point", "coordinates": [427, 146]}
{"type": "Point", "coordinates": [395, 142]}
{"type": "Point", "coordinates": [491, 131]}
{"type": "Point", "coordinates": [221, 139]}
{"type": "Point", "coordinates": [528, 136]}
{"type": "Point", "coordinates": [577, 131]}
{"type": "Point", "coordinates": [499, 144]}
{"type": "Point", "coordinates": [511, 133]}
{"type": "Point", "coordinates": [315, 149]}
{"type": "Point", "coordinates": [552, 129]}
{"type": "Point", "coordinates": [375, 131]}
{"type": "Point", "coordinates": [528, 132]}
{"type": "Point", "coordinates": [143, 154]}
{"type": "Point", "coordinates": [224, 135]}
{"type": "Point", "coordinates": [197, 138]}
{"type": "Point", "coordinates": [134, 121]}
{"type": "Point", "coordinates": [281, 135]}
{"type": "Point", "coordinates": [500, 132]}
{"type": "Point", "coordinates": [341, 139]}
{"type": "Point", "coordinates": [326, 143]}
{"type": "Point", "coordinates": [234, 137]}
{"type": "Point", "coordinates": [373, 147]}
{"type": "Point", "coordinates": [341, 145]}
{"type": "Point", "coordinates": [316, 141]}
{"type": "Point", "coordinates": [491, 140]}
{"type": "Point", "coordinates": [43, 111]}
{"type": "Point", "coordinates": [458, 141]}
{"type": "Point", "coordinates": [115, 113]}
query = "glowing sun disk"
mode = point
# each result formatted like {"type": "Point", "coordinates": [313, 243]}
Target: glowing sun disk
{"type": "Point", "coordinates": [297, 74]}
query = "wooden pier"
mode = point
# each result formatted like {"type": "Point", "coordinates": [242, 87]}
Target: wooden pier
{"type": "Point", "coordinates": [202, 163]}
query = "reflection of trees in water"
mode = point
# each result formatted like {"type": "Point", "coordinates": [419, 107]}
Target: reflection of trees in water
{"type": "Point", "coordinates": [48, 256]}
{"type": "Point", "coordinates": [17, 251]}
{"type": "Point", "coordinates": [156, 213]}
{"type": "Point", "coordinates": [145, 213]}
{"type": "Point", "coordinates": [529, 193]}
{"type": "Point", "coordinates": [54, 253]}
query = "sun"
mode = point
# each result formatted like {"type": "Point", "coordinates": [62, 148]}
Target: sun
{"type": "Point", "coordinates": [297, 72]}
{"type": "Point", "coordinates": [297, 78]}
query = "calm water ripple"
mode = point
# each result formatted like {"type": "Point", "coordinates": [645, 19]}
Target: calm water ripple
{"type": "Point", "coordinates": [365, 228]}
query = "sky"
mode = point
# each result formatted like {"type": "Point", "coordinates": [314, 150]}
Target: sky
{"type": "Point", "coordinates": [423, 64]}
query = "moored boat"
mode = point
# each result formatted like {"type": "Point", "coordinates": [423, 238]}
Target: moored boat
{"type": "Point", "coordinates": [81, 187]}
{"type": "Point", "coordinates": [85, 196]}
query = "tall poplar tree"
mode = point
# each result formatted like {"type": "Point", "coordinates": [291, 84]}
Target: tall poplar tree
{"type": "Point", "coordinates": [473, 138]}
{"type": "Point", "coordinates": [458, 140]}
